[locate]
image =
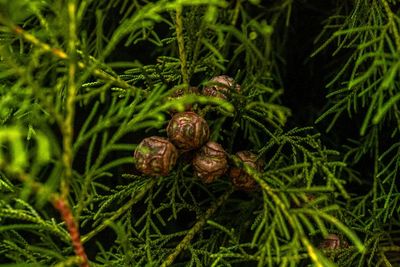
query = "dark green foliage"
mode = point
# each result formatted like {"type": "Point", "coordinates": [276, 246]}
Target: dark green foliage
{"type": "Point", "coordinates": [83, 82]}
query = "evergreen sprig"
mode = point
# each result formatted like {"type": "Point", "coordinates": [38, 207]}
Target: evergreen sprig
{"type": "Point", "coordinates": [83, 82]}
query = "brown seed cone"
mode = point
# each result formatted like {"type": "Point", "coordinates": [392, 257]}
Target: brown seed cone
{"type": "Point", "coordinates": [333, 241]}
{"type": "Point", "coordinates": [180, 92]}
{"type": "Point", "coordinates": [210, 162]}
{"type": "Point", "coordinates": [239, 177]}
{"type": "Point", "coordinates": [155, 156]}
{"type": "Point", "coordinates": [187, 130]}
{"type": "Point", "coordinates": [221, 86]}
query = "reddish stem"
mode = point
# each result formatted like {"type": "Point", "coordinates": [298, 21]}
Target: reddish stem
{"type": "Point", "coordinates": [62, 206]}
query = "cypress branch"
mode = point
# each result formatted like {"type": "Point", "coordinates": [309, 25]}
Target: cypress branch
{"type": "Point", "coordinates": [181, 44]}
{"type": "Point", "coordinates": [196, 228]}
{"type": "Point", "coordinates": [82, 83]}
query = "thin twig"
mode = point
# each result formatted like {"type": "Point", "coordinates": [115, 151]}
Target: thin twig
{"type": "Point", "coordinates": [68, 125]}
{"type": "Point", "coordinates": [62, 206]}
{"type": "Point", "coordinates": [120, 211]}
{"type": "Point", "coordinates": [66, 214]}
{"type": "Point", "coordinates": [196, 228]}
{"type": "Point", "coordinates": [181, 45]}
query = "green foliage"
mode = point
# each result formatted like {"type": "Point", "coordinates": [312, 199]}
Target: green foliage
{"type": "Point", "coordinates": [365, 84]}
{"type": "Point", "coordinates": [369, 77]}
{"type": "Point", "coordinates": [83, 82]}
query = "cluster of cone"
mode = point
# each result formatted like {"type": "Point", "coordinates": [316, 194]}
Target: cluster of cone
{"type": "Point", "coordinates": [188, 131]}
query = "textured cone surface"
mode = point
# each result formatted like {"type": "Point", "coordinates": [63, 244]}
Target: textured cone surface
{"type": "Point", "coordinates": [221, 86]}
{"type": "Point", "coordinates": [210, 162]}
{"type": "Point", "coordinates": [333, 241]}
{"type": "Point", "coordinates": [155, 156]}
{"type": "Point", "coordinates": [187, 130]}
{"type": "Point", "coordinates": [241, 179]}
